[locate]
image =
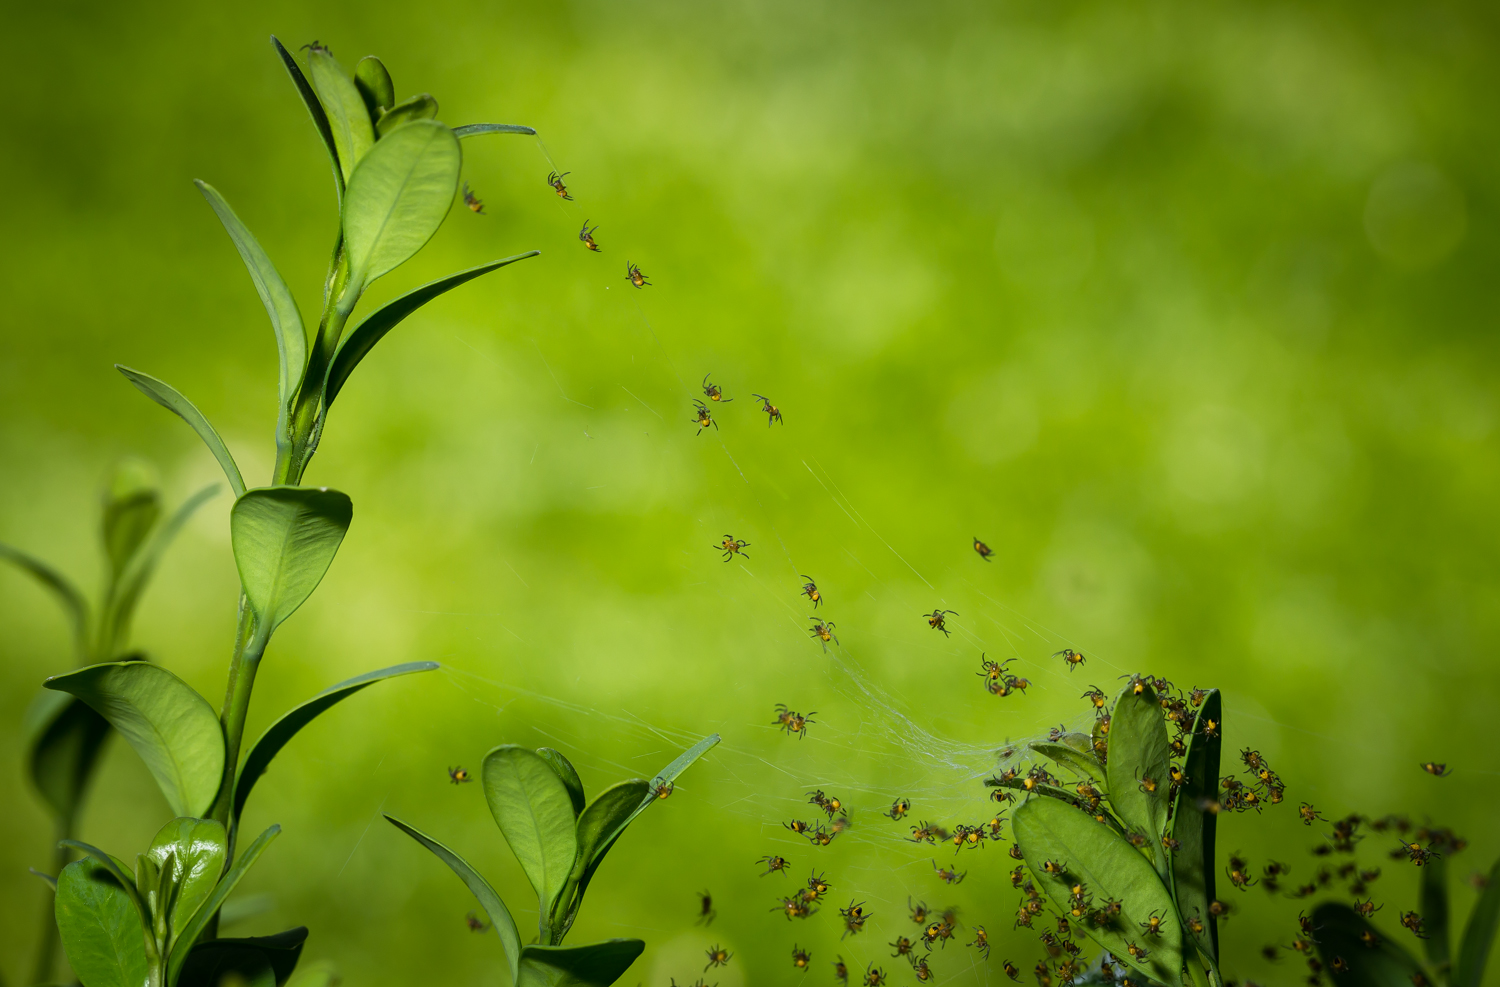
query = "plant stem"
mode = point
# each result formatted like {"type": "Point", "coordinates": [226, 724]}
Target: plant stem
{"type": "Point", "coordinates": [249, 645]}
{"type": "Point", "coordinates": [46, 955]}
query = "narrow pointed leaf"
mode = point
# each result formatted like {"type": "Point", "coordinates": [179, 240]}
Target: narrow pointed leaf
{"type": "Point", "coordinates": [374, 83]}
{"type": "Point", "coordinates": [567, 774]}
{"type": "Point", "coordinates": [595, 965]}
{"type": "Point", "coordinates": [132, 506]}
{"type": "Point", "coordinates": [604, 819]}
{"type": "Point", "coordinates": [373, 328]}
{"type": "Point", "coordinates": [475, 129]}
{"type": "Point", "coordinates": [132, 583]}
{"type": "Point", "coordinates": [348, 118]}
{"type": "Point", "coordinates": [535, 813]}
{"type": "Point", "coordinates": [419, 107]}
{"type": "Point", "coordinates": [284, 540]}
{"type": "Point", "coordinates": [256, 961]}
{"type": "Point", "coordinates": [315, 110]}
{"type": "Point", "coordinates": [73, 603]}
{"type": "Point", "coordinates": [1433, 908]}
{"type": "Point", "coordinates": [100, 927]}
{"type": "Point", "coordinates": [168, 397]}
{"type": "Point", "coordinates": [189, 937]}
{"type": "Point", "coordinates": [281, 307]}
{"type": "Point", "coordinates": [398, 197]}
{"type": "Point", "coordinates": [1081, 762]}
{"type": "Point", "coordinates": [283, 730]}
{"type": "Point", "coordinates": [499, 915]}
{"type": "Point", "coordinates": [1339, 931]}
{"type": "Point", "coordinates": [172, 728]}
{"type": "Point", "coordinates": [1138, 750]}
{"type": "Point", "coordinates": [1193, 868]}
{"type": "Point", "coordinates": [1479, 935]}
{"type": "Point", "coordinates": [192, 852]}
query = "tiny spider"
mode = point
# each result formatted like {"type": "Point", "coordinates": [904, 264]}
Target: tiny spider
{"type": "Point", "coordinates": [663, 789]}
{"type": "Point", "coordinates": [800, 957]}
{"type": "Point", "coordinates": [774, 864]}
{"type": "Point", "coordinates": [587, 236]}
{"type": "Point", "coordinates": [938, 620]}
{"type": "Point", "coordinates": [823, 631]}
{"type": "Point", "coordinates": [459, 775]}
{"type": "Point", "coordinates": [713, 391]}
{"type": "Point", "coordinates": [472, 201]}
{"type": "Point", "coordinates": [556, 181]}
{"type": "Point", "coordinates": [811, 591]}
{"type": "Point", "coordinates": [717, 956]}
{"type": "Point", "coordinates": [731, 546]}
{"type": "Point", "coordinates": [792, 722]}
{"type": "Point", "coordinates": [703, 418]}
{"type": "Point", "coordinates": [475, 924]}
{"type": "Point", "coordinates": [1073, 658]}
{"type": "Point", "coordinates": [634, 276]}
{"type": "Point", "coordinates": [984, 550]}
{"type": "Point", "coordinates": [899, 808]}
{"type": "Point", "coordinates": [706, 913]}
{"type": "Point", "coordinates": [773, 413]}
{"type": "Point", "coordinates": [1437, 770]}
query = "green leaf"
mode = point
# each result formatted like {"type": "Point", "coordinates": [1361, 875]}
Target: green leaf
{"type": "Point", "coordinates": [283, 730]}
{"type": "Point", "coordinates": [185, 942]}
{"type": "Point", "coordinates": [281, 307]}
{"type": "Point", "coordinates": [57, 584]}
{"type": "Point", "coordinates": [397, 198]}
{"type": "Point", "coordinates": [315, 110]}
{"type": "Point", "coordinates": [499, 915]}
{"type": "Point", "coordinates": [600, 824]}
{"type": "Point", "coordinates": [567, 774]}
{"type": "Point", "coordinates": [65, 737]}
{"type": "Point", "coordinates": [1082, 762]}
{"type": "Point", "coordinates": [126, 594]}
{"type": "Point", "coordinates": [375, 85]}
{"type": "Point", "coordinates": [172, 728]}
{"type": "Point", "coordinates": [132, 506]}
{"type": "Point", "coordinates": [1384, 965]}
{"type": "Point", "coordinates": [284, 540]}
{"type": "Point", "coordinates": [191, 852]}
{"type": "Point", "coordinates": [419, 107]}
{"type": "Point", "coordinates": [362, 339]}
{"type": "Point", "coordinates": [598, 964]}
{"type": "Point", "coordinates": [261, 961]}
{"type": "Point", "coordinates": [1193, 868]}
{"type": "Point", "coordinates": [1138, 749]}
{"type": "Point", "coordinates": [475, 129]}
{"type": "Point", "coordinates": [1108, 867]}
{"type": "Point", "coordinates": [100, 927]}
{"type": "Point", "coordinates": [166, 396]}
{"type": "Point", "coordinates": [532, 807]}
{"type": "Point", "coordinates": [1474, 951]}
{"type": "Point", "coordinates": [1433, 907]}
{"type": "Point", "coordinates": [347, 117]}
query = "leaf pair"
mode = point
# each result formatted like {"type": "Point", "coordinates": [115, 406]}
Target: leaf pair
{"type": "Point", "coordinates": [123, 929]}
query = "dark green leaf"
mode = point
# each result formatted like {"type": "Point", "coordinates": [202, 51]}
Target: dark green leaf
{"type": "Point", "coordinates": [568, 775]}
{"type": "Point", "coordinates": [475, 129]}
{"type": "Point", "coordinates": [598, 964]}
{"type": "Point", "coordinates": [166, 396]}
{"type": "Point", "coordinates": [225, 888]}
{"type": "Point", "coordinates": [126, 594]}
{"type": "Point", "coordinates": [374, 326]}
{"type": "Point", "coordinates": [1138, 750]}
{"type": "Point", "coordinates": [258, 961]}
{"type": "Point", "coordinates": [1082, 762]}
{"type": "Point", "coordinates": [66, 736]}
{"type": "Point", "coordinates": [191, 852]}
{"type": "Point", "coordinates": [66, 593]}
{"type": "Point", "coordinates": [375, 85]}
{"type": "Point", "coordinates": [397, 198]}
{"type": "Point", "coordinates": [599, 826]}
{"type": "Point", "coordinates": [100, 927]}
{"type": "Point", "coordinates": [347, 117]}
{"type": "Point", "coordinates": [1433, 907]}
{"type": "Point", "coordinates": [419, 107]}
{"type": "Point", "coordinates": [499, 915]}
{"type": "Point", "coordinates": [1479, 935]}
{"type": "Point", "coordinates": [281, 307]}
{"type": "Point", "coordinates": [171, 727]}
{"type": "Point", "coordinates": [535, 813]}
{"type": "Point", "coordinates": [1109, 867]}
{"type": "Point", "coordinates": [283, 730]}
{"type": "Point", "coordinates": [315, 110]}
{"type": "Point", "coordinates": [1193, 868]}
{"type": "Point", "coordinates": [1384, 965]}
{"type": "Point", "coordinates": [132, 506]}
{"type": "Point", "coordinates": [284, 540]}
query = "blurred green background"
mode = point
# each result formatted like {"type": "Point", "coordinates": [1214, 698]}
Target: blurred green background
{"type": "Point", "coordinates": [1186, 309]}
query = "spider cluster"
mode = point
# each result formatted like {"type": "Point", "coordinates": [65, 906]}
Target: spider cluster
{"type": "Point", "coordinates": [997, 679]}
{"type": "Point", "coordinates": [702, 416]}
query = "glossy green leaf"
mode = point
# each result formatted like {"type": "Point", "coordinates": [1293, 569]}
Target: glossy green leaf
{"type": "Point", "coordinates": [172, 728]}
{"type": "Point", "coordinates": [1138, 750]}
{"type": "Point", "coordinates": [419, 107]}
{"type": "Point", "coordinates": [73, 603]}
{"type": "Point", "coordinates": [599, 826]}
{"type": "Point", "coordinates": [373, 328]}
{"type": "Point", "coordinates": [132, 506]}
{"type": "Point", "coordinates": [1479, 935]}
{"type": "Point", "coordinates": [194, 929]}
{"type": "Point", "coordinates": [598, 964]}
{"type": "Point", "coordinates": [283, 730]}
{"type": "Point", "coordinates": [166, 396]}
{"type": "Point", "coordinates": [281, 307]}
{"type": "Point", "coordinates": [1432, 905]}
{"type": "Point", "coordinates": [315, 110]}
{"type": "Point", "coordinates": [567, 774]}
{"type": "Point", "coordinates": [475, 129]}
{"type": "Point", "coordinates": [1081, 762]}
{"type": "Point", "coordinates": [66, 736]}
{"type": "Point", "coordinates": [100, 927]}
{"type": "Point", "coordinates": [348, 119]}
{"type": "Point", "coordinates": [532, 807]}
{"type": "Point", "coordinates": [1109, 867]}
{"type": "Point", "coordinates": [499, 915]}
{"type": "Point", "coordinates": [191, 854]}
{"type": "Point", "coordinates": [120, 606]}
{"type": "Point", "coordinates": [257, 961]}
{"type": "Point", "coordinates": [1384, 965]}
{"type": "Point", "coordinates": [397, 198]}
{"type": "Point", "coordinates": [1193, 867]}
{"type": "Point", "coordinates": [374, 83]}
{"type": "Point", "coordinates": [284, 540]}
